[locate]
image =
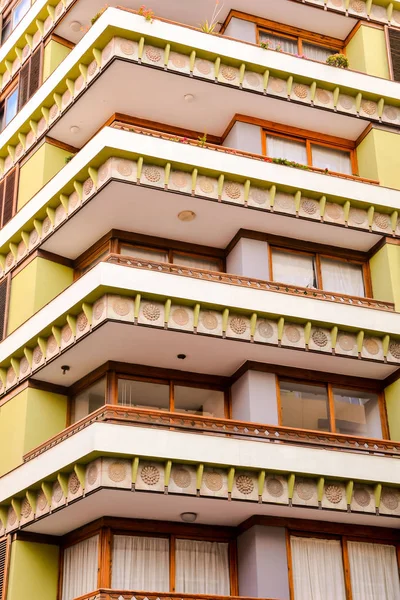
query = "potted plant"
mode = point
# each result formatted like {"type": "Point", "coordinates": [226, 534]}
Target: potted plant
{"type": "Point", "coordinates": [338, 60]}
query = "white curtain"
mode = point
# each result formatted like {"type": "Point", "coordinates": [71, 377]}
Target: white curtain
{"type": "Point", "coordinates": [195, 262]}
{"type": "Point", "coordinates": [279, 147]}
{"type": "Point", "coordinates": [140, 564]}
{"type": "Point", "coordinates": [373, 571]}
{"type": "Point", "coordinates": [318, 53]}
{"type": "Point", "coordinates": [318, 569]}
{"type": "Point", "coordinates": [144, 253]}
{"type": "Point", "coordinates": [337, 161]}
{"type": "Point", "coordinates": [287, 44]}
{"type": "Point", "coordinates": [342, 278]}
{"type": "Point", "coordinates": [202, 567]}
{"type": "Point", "coordinates": [80, 568]}
{"type": "Point", "coordinates": [295, 269]}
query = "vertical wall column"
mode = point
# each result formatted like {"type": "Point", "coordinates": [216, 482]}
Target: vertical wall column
{"type": "Point", "coordinates": [33, 571]}
{"type": "Point", "coordinates": [249, 258]}
{"type": "Point", "coordinates": [385, 273]}
{"type": "Point", "coordinates": [254, 398]}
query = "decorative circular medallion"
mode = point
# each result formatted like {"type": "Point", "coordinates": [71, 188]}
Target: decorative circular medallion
{"type": "Point", "coordinates": [9, 259]}
{"type": "Point", "coordinates": [11, 377]}
{"type": "Point", "coordinates": [390, 499]}
{"type": "Point", "coordinates": [26, 51]}
{"type": "Point", "coordinates": [362, 497]}
{"type": "Point", "coordinates": [337, 3]}
{"type": "Point", "coordinates": [300, 90]}
{"type": "Point", "coordinates": [358, 216]}
{"type": "Point", "coordinates": [127, 47]}
{"type": "Point", "coordinates": [48, 23]}
{"type": "Point", "coordinates": [252, 79]}
{"type": "Point", "coordinates": [180, 180]}
{"type": "Point", "coordinates": [180, 317]}
{"type": "Point", "coordinates": [98, 309]}
{"type": "Point", "coordinates": [209, 321]}
{"type": "Point", "coordinates": [333, 493]}
{"type": "Point", "coordinates": [21, 249]}
{"type": "Point", "coordinates": [213, 481]}
{"type": "Point", "coordinates": [23, 365]}
{"type": "Point", "coordinates": [238, 325]}
{"type": "Point", "coordinates": [346, 102]}
{"type": "Point", "coordinates": [274, 487]}
{"type": "Point", "coordinates": [103, 172]}
{"type": "Point", "coordinates": [305, 490]}
{"type": "Point", "coordinates": [206, 185]}
{"type": "Point", "coordinates": [60, 214]}
{"type": "Point", "coordinates": [265, 330]}
{"type": "Point", "coordinates": [284, 202]}
{"type": "Point", "coordinates": [346, 342]}
{"type": "Point", "coordinates": [309, 206]}
{"type": "Point", "coordinates": [57, 493]}
{"type": "Point", "coordinates": [319, 338]}
{"type": "Point", "coordinates": [153, 54]}
{"type": "Point", "coordinates": [107, 52]}
{"type": "Point", "coordinates": [244, 484]}
{"type": "Point", "coordinates": [37, 355]}
{"type": "Point", "coordinates": [36, 38]}
{"type": "Point", "coordinates": [390, 113]}
{"type": "Point", "coordinates": [152, 174]}
{"type": "Point", "coordinates": [181, 477]}
{"type": "Point", "coordinates": [124, 168]}
{"type": "Point", "coordinates": [229, 73]}
{"type": "Point", "coordinates": [73, 200]}
{"type": "Point", "coordinates": [334, 211]}
{"type": "Point", "coordinates": [323, 96]}
{"type": "Point", "coordinates": [117, 471]}
{"type": "Point", "coordinates": [292, 334]}
{"type": "Point", "coordinates": [381, 220]}
{"type": "Point", "coordinates": [357, 5]}
{"type": "Point", "coordinates": [92, 68]}
{"type": "Point", "coordinates": [19, 150]}
{"type": "Point", "coordinates": [46, 225]}
{"type": "Point", "coordinates": [92, 474]}
{"type": "Point", "coordinates": [121, 306]}
{"type": "Point", "coordinates": [52, 345]}
{"type": "Point", "coordinates": [73, 484]}
{"type": "Point", "coordinates": [368, 107]}
{"type": "Point", "coordinates": [8, 163]}
{"type": "Point", "coordinates": [233, 190]}
{"type": "Point", "coordinates": [88, 186]}
{"type": "Point", "coordinates": [394, 349]}
{"type": "Point", "coordinates": [12, 516]}
{"type": "Point", "coordinates": [81, 322]}
{"type": "Point", "coordinates": [371, 346]}
{"type": "Point", "coordinates": [277, 85]}
{"type": "Point", "coordinates": [150, 475]}
{"type": "Point", "coordinates": [26, 509]}
{"type": "Point", "coordinates": [204, 67]}
{"type": "Point", "coordinates": [179, 61]}
{"type": "Point", "coordinates": [33, 238]}
{"type": "Point", "coordinates": [258, 195]}
{"type": "Point", "coordinates": [41, 500]}
{"type": "Point", "coordinates": [151, 312]}
{"type": "Point", "coordinates": [30, 138]}
{"type": "Point", "coordinates": [378, 12]}
{"type": "Point", "coordinates": [66, 333]}
{"type": "Point", "coordinates": [66, 97]}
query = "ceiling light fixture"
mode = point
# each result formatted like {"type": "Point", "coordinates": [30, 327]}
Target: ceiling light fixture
{"type": "Point", "coordinates": [75, 26]}
{"type": "Point", "coordinates": [188, 517]}
{"type": "Point", "coordinates": [186, 216]}
{"type": "Point", "coordinates": [74, 129]}
{"type": "Point", "coordinates": [65, 369]}
{"type": "Point", "coordinates": [188, 97]}
{"type": "Point", "coordinates": [181, 356]}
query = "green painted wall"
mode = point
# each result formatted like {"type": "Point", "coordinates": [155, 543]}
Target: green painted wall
{"type": "Point", "coordinates": [367, 53]}
{"type": "Point", "coordinates": [35, 286]}
{"type": "Point", "coordinates": [392, 397]}
{"type": "Point", "coordinates": [54, 54]}
{"type": "Point", "coordinates": [46, 162]}
{"type": "Point", "coordinates": [385, 274]}
{"type": "Point", "coordinates": [28, 419]}
{"type": "Point", "coordinates": [378, 157]}
{"type": "Point", "coordinates": [33, 571]}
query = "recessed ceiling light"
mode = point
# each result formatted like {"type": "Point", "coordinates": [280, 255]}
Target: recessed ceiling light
{"type": "Point", "coordinates": [187, 215]}
{"type": "Point", "coordinates": [188, 97]}
{"type": "Point", "coordinates": [74, 129]}
{"type": "Point", "coordinates": [181, 356]}
{"type": "Point", "coordinates": [188, 517]}
{"type": "Point", "coordinates": [75, 26]}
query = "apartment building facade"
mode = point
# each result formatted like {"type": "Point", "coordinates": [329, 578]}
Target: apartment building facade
{"type": "Point", "coordinates": [199, 290]}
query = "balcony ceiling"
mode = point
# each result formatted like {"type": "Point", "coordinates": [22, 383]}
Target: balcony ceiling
{"type": "Point", "coordinates": [194, 12]}
{"type": "Point", "coordinates": [156, 95]}
{"type": "Point", "coordinates": [154, 212]}
{"type": "Point", "coordinates": [142, 505]}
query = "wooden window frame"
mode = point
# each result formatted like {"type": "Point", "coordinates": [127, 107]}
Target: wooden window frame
{"type": "Point", "coordinates": [328, 386]}
{"type": "Point", "coordinates": [171, 252]}
{"type": "Point", "coordinates": [3, 102]}
{"type": "Point", "coordinates": [300, 39]}
{"type": "Point", "coordinates": [3, 588]}
{"type": "Point", "coordinates": [317, 258]}
{"type": "Point", "coordinates": [343, 539]}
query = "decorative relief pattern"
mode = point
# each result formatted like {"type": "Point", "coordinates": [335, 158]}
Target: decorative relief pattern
{"type": "Point", "coordinates": [209, 321]}
{"type": "Point", "coordinates": [181, 477]}
{"type": "Point", "coordinates": [180, 316]}
{"type": "Point", "coordinates": [305, 489]}
{"type": "Point", "coordinates": [381, 220]}
{"type": "Point", "coordinates": [117, 471]}
{"type": "Point", "coordinates": [244, 484]}
{"type": "Point", "coordinates": [26, 509]}
{"type": "Point", "coordinates": [258, 195]}
{"type": "Point", "coordinates": [323, 96]}
{"type": "Point", "coordinates": [319, 338]}
{"type": "Point", "coordinates": [204, 67]}
{"type": "Point", "coordinates": [274, 487]}
{"type": "Point", "coordinates": [41, 501]}
{"type": "Point", "coordinates": [346, 342]}
{"type": "Point", "coordinates": [368, 107]}
{"type": "Point", "coordinates": [362, 497]}
{"type": "Point", "coordinates": [150, 475]}
{"type": "Point", "coordinates": [207, 185]}
{"type": "Point", "coordinates": [153, 54]}
{"type": "Point", "coordinates": [394, 349]}
{"type": "Point", "coordinates": [121, 307]}
{"type": "Point", "coordinates": [371, 346]}
{"type": "Point", "coordinates": [292, 334]}
{"type": "Point", "coordinates": [229, 73]}
{"type": "Point", "coordinates": [265, 330]}
{"type": "Point", "coordinates": [238, 325]}
{"type": "Point", "coordinates": [390, 499]}
{"type": "Point", "coordinates": [57, 493]}
{"type": "Point", "coordinates": [37, 355]}
{"type": "Point", "coordinates": [73, 484]}
{"type": "Point", "coordinates": [152, 174]}
{"type": "Point", "coordinates": [151, 312]}
{"type": "Point", "coordinates": [92, 474]}
{"type": "Point", "coordinates": [233, 190]}
{"type": "Point", "coordinates": [66, 333]}
{"type": "Point", "coordinates": [124, 168]}
{"type": "Point", "coordinates": [334, 493]}
{"type": "Point", "coordinates": [81, 322]}
{"type": "Point", "coordinates": [213, 481]}
{"type": "Point", "coordinates": [301, 91]}
{"type": "Point", "coordinates": [309, 206]}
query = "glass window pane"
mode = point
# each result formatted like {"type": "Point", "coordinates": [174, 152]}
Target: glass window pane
{"type": "Point", "coordinates": [357, 413]}
{"type": "Point", "coordinates": [304, 406]}
{"type": "Point", "coordinates": [92, 398]}
{"type": "Point", "coordinates": [11, 106]}
{"type": "Point", "coordinates": [286, 44]}
{"type": "Point", "coordinates": [342, 277]}
{"type": "Point", "coordinates": [196, 262]}
{"type": "Point", "coordinates": [6, 30]}
{"type": "Point", "coordinates": [279, 147]}
{"type": "Point", "coordinates": [373, 571]}
{"type": "Point", "coordinates": [197, 401]}
{"type": "Point", "coordinates": [143, 394]}
{"type": "Point", "coordinates": [145, 253]}
{"type": "Point", "coordinates": [140, 563]}
{"type": "Point", "coordinates": [315, 52]}
{"type": "Point", "coordinates": [202, 568]}
{"type": "Point", "coordinates": [80, 568]}
{"type": "Point", "coordinates": [294, 269]}
{"type": "Point", "coordinates": [337, 161]}
{"type": "Point", "coordinates": [20, 11]}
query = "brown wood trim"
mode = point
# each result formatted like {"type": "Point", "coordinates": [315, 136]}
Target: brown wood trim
{"type": "Point", "coordinates": [289, 564]}
{"type": "Point", "coordinates": [60, 144]}
{"type": "Point", "coordinates": [61, 40]}
{"type": "Point", "coordinates": [36, 538]}
{"type": "Point", "coordinates": [4, 591]}
{"type": "Point", "coordinates": [35, 384]}
{"type": "Point", "coordinates": [346, 569]}
{"type": "Point", "coordinates": [388, 52]}
{"type": "Point", "coordinates": [38, 253]}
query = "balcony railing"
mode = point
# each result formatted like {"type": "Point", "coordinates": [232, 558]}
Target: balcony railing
{"type": "Point", "coordinates": [249, 282]}
{"type": "Point", "coordinates": [276, 434]}
{"type": "Point", "coordinates": [107, 594]}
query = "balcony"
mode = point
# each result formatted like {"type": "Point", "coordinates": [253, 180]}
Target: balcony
{"type": "Point", "coordinates": [104, 594]}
